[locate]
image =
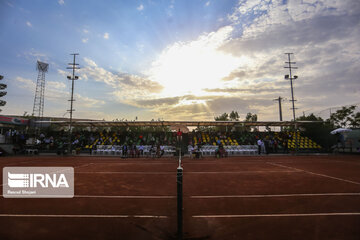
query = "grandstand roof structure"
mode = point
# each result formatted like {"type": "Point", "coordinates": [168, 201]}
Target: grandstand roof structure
{"type": "Point", "coordinates": [95, 123]}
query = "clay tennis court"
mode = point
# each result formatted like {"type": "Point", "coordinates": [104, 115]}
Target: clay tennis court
{"type": "Point", "coordinates": [257, 197]}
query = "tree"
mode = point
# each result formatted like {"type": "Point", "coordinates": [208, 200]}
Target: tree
{"type": "Point", "coordinates": [222, 117]}
{"type": "Point", "coordinates": [345, 117]}
{"type": "Point", "coordinates": [234, 116]}
{"type": "Point", "coordinates": [319, 131]}
{"type": "Point", "coordinates": [251, 117]}
{"type": "Point", "coordinates": [355, 121]}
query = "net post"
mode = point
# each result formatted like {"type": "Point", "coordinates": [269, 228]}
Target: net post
{"type": "Point", "coordinates": [179, 181]}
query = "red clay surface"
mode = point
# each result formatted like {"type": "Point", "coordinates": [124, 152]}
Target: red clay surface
{"type": "Point", "coordinates": [257, 197]}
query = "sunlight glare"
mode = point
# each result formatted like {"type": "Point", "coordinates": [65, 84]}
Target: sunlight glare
{"type": "Point", "coordinates": [188, 68]}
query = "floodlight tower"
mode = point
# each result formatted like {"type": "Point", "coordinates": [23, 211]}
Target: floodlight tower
{"type": "Point", "coordinates": [290, 67]}
{"type": "Point", "coordinates": [73, 66]}
{"type": "Point", "coordinates": [2, 87]}
{"type": "Point", "coordinates": [38, 108]}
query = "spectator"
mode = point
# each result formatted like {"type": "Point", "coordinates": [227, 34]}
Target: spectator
{"type": "Point", "coordinates": [259, 143]}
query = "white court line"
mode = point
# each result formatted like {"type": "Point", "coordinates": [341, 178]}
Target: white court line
{"type": "Point", "coordinates": [317, 174]}
{"type": "Point", "coordinates": [115, 196]}
{"type": "Point", "coordinates": [174, 172]}
{"type": "Point", "coordinates": [352, 162]}
{"type": "Point", "coordinates": [84, 165]}
{"type": "Point", "coordinates": [82, 216]}
{"type": "Point", "coordinates": [279, 215]}
{"type": "Point", "coordinates": [217, 196]}
{"type": "Point", "coordinates": [134, 162]}
{"type": "Point", "coordinates": [231, 172]}
{"type": "Point", "coordinates": [279, 195]}
{"type": "Point", "coordinates": [12, 164]}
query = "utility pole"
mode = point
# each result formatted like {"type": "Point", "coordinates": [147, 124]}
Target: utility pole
{"type": "Point", "coordinates": [279, 99]}
{"type": "Point", "coordinates": [290, 67]}
{"type": "Point", "coordinates": [73, 67]}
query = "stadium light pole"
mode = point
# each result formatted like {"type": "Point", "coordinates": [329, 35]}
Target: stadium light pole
{"type": "Point", "coordinates": [72, 78]}
{"type": "Point", "coordinates": [290, 67]}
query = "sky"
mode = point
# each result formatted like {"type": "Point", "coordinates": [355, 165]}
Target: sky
{"type": "Point", "coordinates": [181, 59]}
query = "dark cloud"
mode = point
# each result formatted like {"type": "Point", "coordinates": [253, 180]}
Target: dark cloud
{"type": "Point", "coordinates": [245, 90]}
{"type": "Point", "coordinates": [312, 31]}
{"type": "Point", "coordinates": [157, 102]}
{"type": "Point", "coordinates": [235, 74]}
{"type": "Point", "coordinates": [137, 82]}
{"type": "Point", "coordinates": [123, 83]}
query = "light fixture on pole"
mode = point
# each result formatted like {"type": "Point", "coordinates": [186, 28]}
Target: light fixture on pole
{"type": "Point", "coordinates": [289, 76]}
{"type": "Point", "coordinates": [73, 67]}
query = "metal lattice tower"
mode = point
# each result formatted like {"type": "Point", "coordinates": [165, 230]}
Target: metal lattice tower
{"type": "Point", "coordinates": [38, 109]}
{"type": "Point", "coordinates": [73, 66]}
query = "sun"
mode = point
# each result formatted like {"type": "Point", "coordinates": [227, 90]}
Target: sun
{"type": "Point", "coordinates": [189, 68]}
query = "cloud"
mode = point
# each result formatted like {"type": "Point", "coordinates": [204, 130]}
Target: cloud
{"type": "Point", "coordinates": [56, 93]}
{"type": "Point", "coordinates": [90, 62]}
{"type": "Point", "coordinates": [26, 83]}
{"type": "Point", "coordinates": [192, 107]}
{"type": "Point", "coordinates": [106, 35]}
{"type": "Point", "coordinates": [124, 86]}
{"type": "Point", "coordinates": [61, 2]}
{"type": "Point", "coordinates": [140, 7]}
{"type": "Point", "coordinates": [322, 34]}
{"type": "Point", "coordinates": [85, 31]}
{"type": "Point", "coordinates": [28, 24]}
{"type": "Point", "coordinates": [207, 3]}
{"type": "Point", "coordinates": [87, 102]}
{"type": "Point", "coordinates": [55, 85]}
{"type": "Point", "coordinates": [34, 54]}
{"type": "Point", "coordinates": [85, 40]}
{"type": "Point", "coordinates": [156, 102]}
{"type": "Point", "coordinates": [240, 66]}
{"type": "Point", "coordinates": [62, 72]}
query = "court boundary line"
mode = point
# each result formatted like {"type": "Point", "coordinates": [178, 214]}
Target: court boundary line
{"type": "Point", "coordinates": [313, 173]}
{"type": "Point", "coordinates": [191, 172]}
{"type": "Point", "coordinates": [82, 216]}
{"type": "Point", "coordinates": [126, 197]}
{"type": "Point", "coordinates": [217, 196]}
{"type": "Point", "coordinates": [279, 215]}
{"type": "Point", "coordinates": [277, 195]}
